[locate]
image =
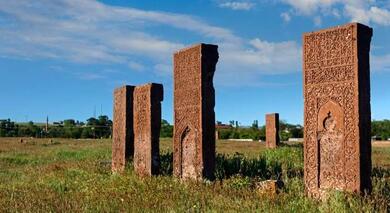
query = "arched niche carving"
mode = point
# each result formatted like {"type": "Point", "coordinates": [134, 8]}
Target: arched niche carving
{"type": "Point", "coordinates": [330, 136]}
{"type": "Point", "coordinates": [188, 152]}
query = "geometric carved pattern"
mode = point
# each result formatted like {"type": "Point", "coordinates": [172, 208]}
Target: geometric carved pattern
{"type": "Point", "coordinates": [122, 135]}
{"type": "Point", "coordinates": [337, 148]}
{"type": "Point", "coordinates": [272, 130]}
{"type": "Point", "coordinates": [194, 116]}
{"type": "Point", "coordinates": [147, 124]}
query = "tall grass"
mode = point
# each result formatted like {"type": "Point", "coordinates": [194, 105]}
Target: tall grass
{"type": "Point", "coordinates": [75, 176]}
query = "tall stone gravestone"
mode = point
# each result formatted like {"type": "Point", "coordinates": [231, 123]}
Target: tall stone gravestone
{"type": "Point", "coordinates": [122, 135]}
{"type": "Point", "coordinates": [147, 125]}
{"type": "Point", "coordinates": [194, 117]}
{"type": "Point", "coordinates": [272, 130]}
{"type": "Point", "coordinates": [337, 148]}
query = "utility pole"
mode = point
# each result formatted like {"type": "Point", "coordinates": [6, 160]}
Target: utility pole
{"type": "Point", "coordinates": [47, 124]}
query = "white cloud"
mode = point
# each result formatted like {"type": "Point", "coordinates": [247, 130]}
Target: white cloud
{"type": "Point", "coordinates": [163, 69]}
{"type": "Point", "coordinates": [262, 57]}
{"type": "Point", "coordinates": [309, 7]}
{"type": "Point", "coordinates": [286, 17]}
{"type": "Point", "coordinates": [90, 76]}
{"type": "Point", "coordinates": [136, 66]}
{"type": "Point", "coordinates": [234, 5]}
{"type": "Point", "coordinates": [365, 11]}
{"type": "Point", "coordinates": [317, 21]}
{"type": "Point", "coordinates": [380, 16]}
{"type": "Point", "coordinates": [380, 63]}
{"type": "Point", "coordinates": [336, 13]}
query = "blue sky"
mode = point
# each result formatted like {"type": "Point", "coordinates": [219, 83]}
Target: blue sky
{"type": "Point", "coordinates": [63, 58]}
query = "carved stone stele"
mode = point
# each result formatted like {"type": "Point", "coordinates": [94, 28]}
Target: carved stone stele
{"type": "Point", "coordinates": [194, 116]}
{"type": "Point", "coordinates": [272, 130]}
{"type": "Point", "coordinates": [147, 125]}
{"type": "Point", "coordinates": [122, 135]}
{"type": "Point", "coordinates": [337, 147]}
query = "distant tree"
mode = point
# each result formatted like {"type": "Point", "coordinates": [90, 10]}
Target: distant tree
{"type": "Point", "coordinates": [69, 123]}
{"type": "Point", "coordinates": [100, 127]}
{"type": "Point", "coordinates": [296, 131]}
{"type": "Point", "coordinates": [255, 124]}
{"type": "Point", "coordinates": [224, 133]}
{"type": "Point", "coordinates": [166, 129]}
{"type": "Point", "coordinates": [8, 128]}
{"type": "Point", "coordinates": [381, 129]}
{"type": "Point", "coordinates": [92, 122]}
{"type": "Point", "coordinates": [262, 133]}
{"type": "Point", "coordinates": [87, 133]}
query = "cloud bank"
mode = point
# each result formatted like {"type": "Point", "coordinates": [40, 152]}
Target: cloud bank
{"type": "Point", "coordinates": [91, 32]}
{"type": "Point", "coordinates": [364, 11]}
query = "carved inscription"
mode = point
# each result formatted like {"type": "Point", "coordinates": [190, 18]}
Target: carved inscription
{"type": "Point", "coordinates": [272, 130]}
{"type": "Point", "coordinates": [123, 138]}
{"type": "Point", "coordinates": [194, 117]}
{"type": "Point", "coordinates": [335, 112]}
{"type": "Point", "coordinates": [147, 123]}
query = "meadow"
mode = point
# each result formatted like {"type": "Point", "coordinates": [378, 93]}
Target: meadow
{"type": "Point", "coordinates": [64, 175]}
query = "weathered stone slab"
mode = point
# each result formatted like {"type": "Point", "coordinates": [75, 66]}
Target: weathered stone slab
{"type": "Point", "coordinates": [194, 116]}
{"type": "Point", "coordinates": [147, 125]}
{"type": "Point", "coordinates": [337, 117]}
{"type": "Point", "coordinates": [272, 130]}
{"type": "Point", "coordinates": [269, 188]}
{"type": "Point", "coordinates": [122, 134]}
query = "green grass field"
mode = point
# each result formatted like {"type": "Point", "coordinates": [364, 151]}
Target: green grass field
{"type": "Point", "coordinates": [75, 176]}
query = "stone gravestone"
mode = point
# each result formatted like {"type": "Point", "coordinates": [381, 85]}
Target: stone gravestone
{"type": "Point", "coordinates": [122, 135]}
{"type": "Point", "coordinates": [147, 125]}
{"type": "Point", "coordinates": [337, 148]}
{"type": "Point", "coordinates": [194, 116]}
{"type": "Point", "coordinates": [272, 130]}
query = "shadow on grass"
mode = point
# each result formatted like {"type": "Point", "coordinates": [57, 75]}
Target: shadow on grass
{"type": "Point", "coordinates": [239, 165]}
{"type": "Point", "coordinates": [381, 172]}
{"type": "Point", "coordinates": [166, 164]}
{"type": "Point", "coordinates": [292, 145]}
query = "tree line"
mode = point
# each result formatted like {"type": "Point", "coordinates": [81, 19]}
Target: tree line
{"type": "Point", "coordinates": [101, 127]}
{"type": "Point", "coordinates": [256, 132]}
{"type": "Point", "coordinates": [380, 129]}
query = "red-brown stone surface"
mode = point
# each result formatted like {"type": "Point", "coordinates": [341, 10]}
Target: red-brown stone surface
{"type": "Point", "coordinates": [337, 148]}
{"type": "Point", "coordinates": [123, 137]}
{"type": "Point", "coordinates": [147, 124]}
{"type": "Point", "coordinates": [272, 130]}
{"type": "Point", "coordinates": [194, 116]}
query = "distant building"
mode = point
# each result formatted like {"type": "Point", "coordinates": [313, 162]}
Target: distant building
{"type": "Point", "coordinates": [241, 140]}
{"type": "Point", "coordinates": [295, 140]}
{"type": "Point", "coordinates": [220, 125]}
